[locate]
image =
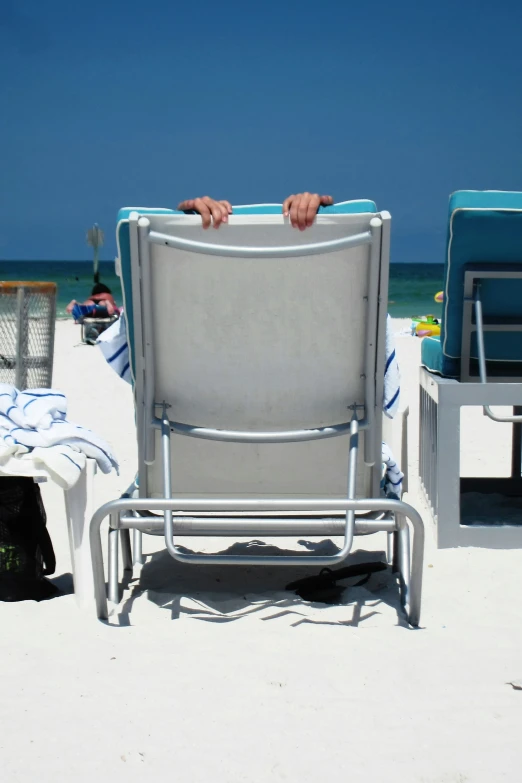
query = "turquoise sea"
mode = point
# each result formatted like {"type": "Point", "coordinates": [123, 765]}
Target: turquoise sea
{"type": "Point", "coordinates": [412, 286]}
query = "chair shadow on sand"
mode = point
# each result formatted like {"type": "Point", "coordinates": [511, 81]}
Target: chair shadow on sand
{"type": "Point", "coordinates": [223, 594]}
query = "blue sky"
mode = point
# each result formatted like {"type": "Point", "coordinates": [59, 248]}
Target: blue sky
{"type": "Point", "coordinates": [108, 104]}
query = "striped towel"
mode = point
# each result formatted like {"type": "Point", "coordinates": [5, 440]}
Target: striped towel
{"type": "Point", "coordinates": [393, 476]}
{"type": "Point", "coordinates": [35, 435]}
{"type": "Point", "coordinates": [114, 346]}
{"type": "Point", "coordinates": [392, 378]}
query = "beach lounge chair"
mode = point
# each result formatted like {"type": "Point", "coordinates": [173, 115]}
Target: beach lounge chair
{"type": "Point", "coordinates": [257, 355]}
{"type": "Point", "coordinates": [477, 360]}
{"type": "Point", "coordinates": [93, 327]}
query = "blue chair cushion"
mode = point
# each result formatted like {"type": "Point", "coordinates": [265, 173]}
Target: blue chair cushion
{"type": "Point", "coordinates": [433, 359]}
{"type": "Point", "coordinates": [484, 227]}
{"type": "Point", "coordinates": [123, 241]}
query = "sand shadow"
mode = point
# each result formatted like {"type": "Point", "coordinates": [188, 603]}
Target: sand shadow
{"type": "Point", "coordinates": [64, 583]}
{"type": "Point", "coordinates": [220, 594]}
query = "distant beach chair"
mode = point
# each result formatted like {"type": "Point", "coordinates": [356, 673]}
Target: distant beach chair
{"type": "Point", "coordinates": [258, 358]}
{"type": "Point", "coordinates": [477, 360]}
{"type": "Point", "coordinates": [94, 320]}
{"type": "Point", "coordinates": [93, 327]}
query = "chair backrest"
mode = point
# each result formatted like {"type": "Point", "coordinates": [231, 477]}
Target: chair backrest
{"type": "Point", "coordinates": [485, 228]}
{"type": "Point", "coordinates": [288, 339]}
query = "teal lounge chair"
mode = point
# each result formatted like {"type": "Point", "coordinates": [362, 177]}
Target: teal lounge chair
{"type": "Point", "coordinates": [476, 361]}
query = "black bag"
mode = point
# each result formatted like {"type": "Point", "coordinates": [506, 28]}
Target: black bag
{"type": "Point", "coordinates": [26, 550]}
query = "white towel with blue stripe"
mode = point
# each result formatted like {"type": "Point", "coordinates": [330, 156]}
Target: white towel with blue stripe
{"type": "Point", "coordinates": [35, 435]}
{"type": "Point", "coordinates": [114, 347]}
{"type": "Point", "coordinates": [393, 475]}
{"type": "Point", "coordinates": [392, 378]}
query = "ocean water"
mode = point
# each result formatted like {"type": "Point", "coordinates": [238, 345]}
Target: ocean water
{"type": "Point", "coordinates": [73, 278]}
{"type": "Point", "coordinates": [411, 291]}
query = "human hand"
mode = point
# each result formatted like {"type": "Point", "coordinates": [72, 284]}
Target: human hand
{"type": "Point", "coordinates": [303, 208]}
{"type": "Point", "coordinates": [211, 211]}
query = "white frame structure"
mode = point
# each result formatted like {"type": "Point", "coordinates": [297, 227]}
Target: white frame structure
{"type": "Point", "coordinates": [439, 434]}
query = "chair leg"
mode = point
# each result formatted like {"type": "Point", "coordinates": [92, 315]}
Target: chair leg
{"type": "Point", "coordinates": [403, 557]}
{"type": "Point", "coordinates": [393, 550]}
{"type": "Point", "coordinates": [97, 569]}
{"type": "Point", "coordinates": [80, 505]}
{"type": "Point", "coordinates": [137, 547]}
{"type": "Point", "coordinates": [390, 548]}
{"type": "Point", "coordinates": [410, 570]}
{"type": "Point", "coordinates": [126, 551]}
{"type": "Point", "coordinates": [114, 587]}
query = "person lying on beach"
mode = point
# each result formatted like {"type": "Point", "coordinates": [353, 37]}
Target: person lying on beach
{"type": "Point", "coordinates": [301, 208]}
{"type": "Point", "coordinates": [100, 304]}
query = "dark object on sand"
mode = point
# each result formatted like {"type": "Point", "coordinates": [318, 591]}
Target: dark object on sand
{"type": "Point", "coordinates": [26, 550]}
{"type": "Point", "coordinates": [93, 327]}
{"type": "Point", "coordinates": [324, 588]}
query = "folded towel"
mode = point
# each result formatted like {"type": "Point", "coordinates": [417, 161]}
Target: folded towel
{"type": "Point", "coordinates": [60, 463]}
{"type": "Point", "coordinates": [35, 434]}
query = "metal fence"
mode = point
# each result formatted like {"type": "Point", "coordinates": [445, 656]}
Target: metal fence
{"type": "Point", "coordinates": [27, 320]}
{"type": "Point", "coordinates": [428, 433]}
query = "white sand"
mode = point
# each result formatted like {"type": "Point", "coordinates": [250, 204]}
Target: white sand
{"type": "Point", "coordinates": [235, 680]}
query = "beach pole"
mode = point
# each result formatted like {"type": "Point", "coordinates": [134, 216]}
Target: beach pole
{"type": "Point", "coordinates": [95, 239]}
